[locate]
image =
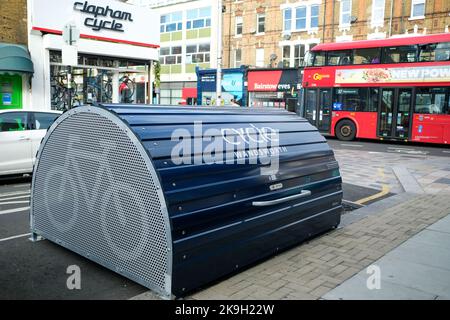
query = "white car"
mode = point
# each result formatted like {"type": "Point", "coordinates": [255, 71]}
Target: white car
{"type": "Point", "coordinates": [21, 133]}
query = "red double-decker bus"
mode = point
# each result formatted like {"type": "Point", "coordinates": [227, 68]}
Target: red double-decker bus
{"type": "Point", "coordinates": [396, 88]}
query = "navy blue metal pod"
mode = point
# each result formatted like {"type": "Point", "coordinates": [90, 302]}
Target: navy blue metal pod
{"type": "Point", "coordinates": [149, 193]}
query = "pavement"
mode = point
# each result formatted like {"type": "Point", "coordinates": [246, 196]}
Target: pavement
{"type": "Point", "coordinates": [401, 228]}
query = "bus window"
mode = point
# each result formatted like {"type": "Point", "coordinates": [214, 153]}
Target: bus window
{"type": "Point", "coordinates": [435, 52]}
{"type": "Point", "coordinates": [351, 99]}
{"type": "Point", "coordinates": [367, 56]}
{"type": "Point", "coordinates": [431, 100]}
{"type": "Point", "coordinates": [319, 59]}
{"type": "Point", "coordinates": [339, 58]}
{"type": "Point", "coordinates": [400, 54]}
{"type": "Point", "coordinates": [374, 100]}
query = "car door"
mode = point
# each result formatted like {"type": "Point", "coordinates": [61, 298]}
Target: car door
{"type": "Point", "coordinates": [15, 143]}
{"type": "Point", "coordinates": [41, 121]}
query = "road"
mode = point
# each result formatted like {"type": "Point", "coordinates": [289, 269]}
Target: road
{"type": "Point", "coordinates": [391, 147]}
{"type": "Point", "coordinates": [38, 270]}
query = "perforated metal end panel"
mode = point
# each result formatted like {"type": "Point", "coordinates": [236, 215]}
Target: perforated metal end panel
{"type": "Point", "coordinates": [95, 191]}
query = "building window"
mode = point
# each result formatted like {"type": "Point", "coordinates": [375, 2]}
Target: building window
{"type": "Point", "coordinates": [237, 58]}
{"type": "Point", "coordinates": [286, 56]}
{"type": "Point", "coordinates": [198, 18]}
{"type": "Point", "coordinates": [299, 54]}
{"type": "Point", "coordinates": [417, 8]}
{"type": "Point", "coordinates": [287, 13]}
{"type": "Point", "coordinates": [261, 23]}
{"type": "Point", "coordinates": [170, 55]}
{"type": "Point", "coordinates": [300, 18]}
{"type": "Point", "coordinates": [198, 53]}
{"type": "Point", "coordinates": [346, 13]}
{"type": "Point", "coordinates": [378, 8]}
{"type": "Point", "coordinates": [315, 16]}
{"type": "Point", "coordinates": [171, 22]}
{"type": "Point", "coordinates": [239, 26]}
{"type": "Point", "coordinates": [260, 57]}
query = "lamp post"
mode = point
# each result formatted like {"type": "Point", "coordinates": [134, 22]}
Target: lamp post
{"type": "Point", "coordinates": [219, 54]}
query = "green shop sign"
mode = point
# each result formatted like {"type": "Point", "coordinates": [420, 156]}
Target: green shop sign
{"type": "Point", "coordinates": [10, 92]}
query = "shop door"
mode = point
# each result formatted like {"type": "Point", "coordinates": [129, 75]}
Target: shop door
{"type": "Point", "coordinates": [395, 113]}
{"type": "Point", "coordinates": [318, 108]}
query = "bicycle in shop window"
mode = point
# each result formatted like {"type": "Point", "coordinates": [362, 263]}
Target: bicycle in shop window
{"type": "Point", "coordinates": [99, 88]}
{"type": "Point", "coordinates": [127, 89]}
{"type": "Point", "coordinates": [61, 93]}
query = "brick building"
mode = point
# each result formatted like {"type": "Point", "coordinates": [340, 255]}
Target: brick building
{"type": "Point", "coordinates": [13, 22]}
{"type": "Point", "coordinates": [279, 32]}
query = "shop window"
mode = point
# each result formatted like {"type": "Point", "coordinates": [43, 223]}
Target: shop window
{"type": "Point", "coordinates": [355, 99]}
{"type": "Point", "coordinates": [171, 22]}
{"type": "Point", "coordinates": [13, 121]}
{"type": "Point", "coordinates": [401, 54]}
{"type": "Point", "coordinates": [367, 56]}
{"type": "Point", "coordinates": [198, 18]}
{"type": "Point", "coordinates": [198, 53]}
{"type": "Point", "coordinates": [287, 15]}
{"type": "Point", "coordinates": [432, 100]}
{"type": "Point", "coordinates": [339, 58]}
{"type": "Point", "coordinates": [435, 52]}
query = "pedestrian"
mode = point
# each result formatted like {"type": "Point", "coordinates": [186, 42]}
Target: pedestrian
{"type": "Point", "coordinates": [234, 103]}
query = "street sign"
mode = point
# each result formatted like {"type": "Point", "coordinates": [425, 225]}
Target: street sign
{"type": "Point", "coordinates": [71, 35]}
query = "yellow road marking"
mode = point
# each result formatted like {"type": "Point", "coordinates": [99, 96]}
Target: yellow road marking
{"type": "Point", "coordinates": [385, 191]}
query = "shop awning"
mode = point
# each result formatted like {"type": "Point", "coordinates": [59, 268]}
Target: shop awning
{"type": "Point", "coordinates": [15, 58]}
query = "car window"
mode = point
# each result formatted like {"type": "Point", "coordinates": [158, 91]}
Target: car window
{"type": "Point", "coordinates": [43, 121]}
{"type": "Point", "coordinates": [13, 121]}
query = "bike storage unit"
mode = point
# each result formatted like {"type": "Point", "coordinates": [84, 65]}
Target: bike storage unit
{"type": "Point", "coordinates": [138, 190]}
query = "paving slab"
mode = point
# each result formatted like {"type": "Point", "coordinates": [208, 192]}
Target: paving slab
{"type": "Point", "coordinates": [417, 269]}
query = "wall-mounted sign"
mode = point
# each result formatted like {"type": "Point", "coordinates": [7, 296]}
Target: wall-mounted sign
{"type": "Point", "coordinates": [6, 99]}
{"type": "Point", "coordinates": [393, 75]}
{"type": "Point", "coordinates": [115, 22]}
{"type": "Point", "coordinates": [103, 17]}
{"type": "Point", "coordinates": [273, 80]}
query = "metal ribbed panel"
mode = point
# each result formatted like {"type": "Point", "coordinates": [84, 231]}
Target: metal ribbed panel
{"type": "Point", "coordinates": [96, 192]}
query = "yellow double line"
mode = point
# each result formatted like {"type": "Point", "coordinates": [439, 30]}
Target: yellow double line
{"type": "Point", "coordinates": [384, 192]}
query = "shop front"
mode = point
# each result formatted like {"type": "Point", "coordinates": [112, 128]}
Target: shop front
{"type": "Point", "coordinates": [16, 70]}
{"type": "Point", "coordinates": [115, 51]}
{"type": "Point", "coordinates": [233, 86]}
{"type": "Point", "coordinates": [275, 88]}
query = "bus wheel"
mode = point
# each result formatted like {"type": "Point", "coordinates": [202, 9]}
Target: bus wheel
{"type": "Point", "coordinates": [346, 130]}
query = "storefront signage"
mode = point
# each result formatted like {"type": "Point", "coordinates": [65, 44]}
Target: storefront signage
{"type": "Point", "coordinates": [393, 75]}
{"type": "Point", "coordinates": [97, 23]}
{"type": "Point", "coordinates": [111, 21]}
{"type": "Point", "coordinates": [272, 81]}
{"type": "Point", "coordinates": [6, 99]}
